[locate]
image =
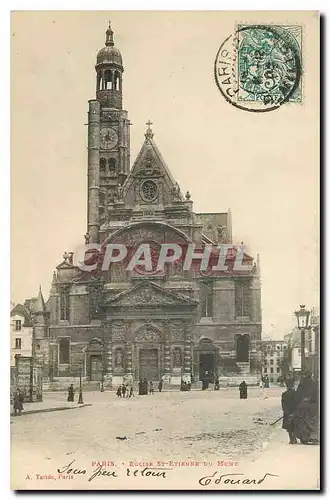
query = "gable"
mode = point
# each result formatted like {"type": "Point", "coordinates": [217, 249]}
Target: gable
{"type": "Point", "coordinates": [150, 180]}
{"type": "Point", "coordinates": [149, 294]}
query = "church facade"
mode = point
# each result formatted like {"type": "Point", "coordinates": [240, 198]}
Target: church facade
{"type": "Point", "coordinates": [121, 324]}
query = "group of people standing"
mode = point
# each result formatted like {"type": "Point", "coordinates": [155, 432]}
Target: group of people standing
{"type": "Point", "coordinates": [125, 391]}
{"type": "Point", "coordinates": [301, 410]}
{"type": "Point", "coordinates": [146, 387]}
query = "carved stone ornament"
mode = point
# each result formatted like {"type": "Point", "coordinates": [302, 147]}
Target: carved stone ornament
{"type": "Point", "coordinates": [177, 330]}
{"type": "Point", "coordinates": [147, 333]}
{"type": "Point", "coordinates": [147, 296]}
{"type": "Point", "coordinates": [118, 332]}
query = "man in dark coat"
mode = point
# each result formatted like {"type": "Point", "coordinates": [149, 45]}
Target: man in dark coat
{"type": "Point", "coordinates": [145, 387]}
{"type": "Point", "coordinates": [216, 383]}
{"type": "Point", "coordinates": [288, 407]}
{"type": "Point", "coordinates": [160, 385]}
{"type": "Point", "coordinates": [306, 412]}
{"type": "Point", "coordinates": [18, 402]}
{"type": "Point", "coordinates": [123, 390]}
{"type": "Point", "coordinates": [243, 390]}
{"type": "Point", "coordinates": [140, 387]}
{"type": "Point", "coordinates": [71, 394]}
{"type": "Point", "coordinates": [119, 392]}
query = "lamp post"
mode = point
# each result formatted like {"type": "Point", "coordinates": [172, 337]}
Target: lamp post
{"type": "Point", "coordinates": [303, 316]}
{"type": "Point", "coordinates": [80, 400]}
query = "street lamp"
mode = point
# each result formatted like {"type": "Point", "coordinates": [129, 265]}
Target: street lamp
{"type": "Point", "coordinates": [80, 400]}
{"type": "Point", "coordinates": [303, 316]}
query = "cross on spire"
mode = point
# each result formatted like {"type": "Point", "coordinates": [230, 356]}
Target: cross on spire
{"type": "Point", "coordinates": [149, 133]}
{"type": "Point", "coordinates": [109, 36]}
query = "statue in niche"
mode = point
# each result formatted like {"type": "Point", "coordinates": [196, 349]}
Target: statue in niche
{"type": "Point", "coordinates": [177, 358]}
{"type": "Point", "coordinates": [87, 238]}
{"type": "Point", "coordinates": [119, 192]}
{"type": "Point", "coordinates": [222, 233]}
{"type": "Point", "coordinates": [119, 359]}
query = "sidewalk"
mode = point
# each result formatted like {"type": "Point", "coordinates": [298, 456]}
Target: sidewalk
{"type": "Point", "coordinates": [296, 466]}
{"type": "Point", "coordinates": [48, 405]}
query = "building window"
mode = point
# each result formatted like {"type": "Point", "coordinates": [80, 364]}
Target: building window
{"type": "Point", "coordinates": [18, 343]}
{"type": "Point", "coordinates": [103, 162]}
{"type": "Point", "coordinates": [277, 370]}
{"type": "Point", "coordinates": [206, 300]}
{"type": "Point", "coordinates": [271, 361]}
{"type": "Point", "coordinates": [64, 347]}
{"type": "Point", "coordinates": [265, 370]}
{"type": "Point", "coordinates": [272, 370]}
{"type": "Point", "coordinates": [18, 325]}
{"type": "Point", "coordinates": [242, 299]}
{"type": "Point", "coordinates": [112, 165]}
{"type": "Point", "coordinates": [149, 191]}
{"type": "Point", "coordinates": [64, 304]}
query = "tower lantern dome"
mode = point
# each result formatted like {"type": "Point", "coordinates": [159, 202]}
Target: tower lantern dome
{"type": "Point", "coordinates": [109, 69]}
{"type": "Point", "coordinates": [109, 54]}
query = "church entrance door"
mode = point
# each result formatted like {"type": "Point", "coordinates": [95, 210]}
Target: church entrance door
{"type": "Point", "coordinates": [148, 364]}
{"type": "Point", "coordinates": [96, 367]}
{"type": "Point", "coordinates": [206, 364]}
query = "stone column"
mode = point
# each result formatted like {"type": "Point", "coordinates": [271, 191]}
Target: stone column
{"type": "Point", "coordinates": [93, 170]}
{"type": "Point", "coordinates": [187, 356]}
{"type": "Point", "coordinates": [167, 354]}
{"type": "Point", "coordinates": [108, 355]}
{"type": "Point", "coordinates": [128, 355]}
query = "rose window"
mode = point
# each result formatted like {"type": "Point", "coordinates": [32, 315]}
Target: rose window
{"type": "Point", "coordinates": [149, 190]}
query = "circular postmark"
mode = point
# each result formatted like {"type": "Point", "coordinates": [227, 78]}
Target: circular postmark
{"type": "Point", "coordinates": [258, 68]}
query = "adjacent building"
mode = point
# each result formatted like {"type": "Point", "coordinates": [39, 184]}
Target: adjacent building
{"type": "Point", "coordinates": [274, 353]}
{"type": "Point", "coordinates": [21, 330]}
{"type": "Point", "coordinates": [118, 324]}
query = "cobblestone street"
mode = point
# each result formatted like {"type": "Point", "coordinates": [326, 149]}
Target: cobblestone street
{"type": "Point", "coordinates": [197, 426]}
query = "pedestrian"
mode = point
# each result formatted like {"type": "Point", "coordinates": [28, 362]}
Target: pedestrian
{"type": "Point", "coordinates": [151, 388]}
{"type": "Point", "coordinates": [131, 391]}
{"type": "Point", "coordinates": [71, 394]}
{"type": "Point", "coordinates": [123, 390]}
{"type": "Point", "coordinates": [288, 402]}
{"type": "Point", "coordinates": [306, 412]}
{"type": "Point", "coordinates": [18, 402]}
{"type": "Point", "coordinates": [160, 385]}
{"type": "Point", "coordinates": [145, 387]}
{"type": "Point", "coordinates": [216, 383]}
{"type": "Point", "coordinates": [243, 390]}
{"type": "Point", "coordinates": [119, 392]}
{"type": "Point", "coordinates": [140, 387]}
{"type": "Point", "coordinates": [262, 388]}
{"type": "Point", "coordinates": [127, 390]}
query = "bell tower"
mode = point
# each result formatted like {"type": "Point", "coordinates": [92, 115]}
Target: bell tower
{"type": "Point", "coordinates": [108, 137]}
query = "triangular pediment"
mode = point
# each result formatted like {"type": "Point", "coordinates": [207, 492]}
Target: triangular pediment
{"type": "Point", "coordinates": [151, 167]}
{"type": "Point", "coordinates": [149, 294]}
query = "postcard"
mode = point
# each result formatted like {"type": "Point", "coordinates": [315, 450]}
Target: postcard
{"type": "Point", "coordinates": [165, 322]}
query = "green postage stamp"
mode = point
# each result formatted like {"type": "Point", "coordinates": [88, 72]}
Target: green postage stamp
{"type": "Point", "coordinates": [259, 68]}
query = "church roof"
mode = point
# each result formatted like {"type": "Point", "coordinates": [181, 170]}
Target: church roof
{"type": "Point", "coordinates": [21, 310]}
{"type": "Point", "coordinates": [39, 306]}
{"type": "Point", "coordinates": [109, 54]}
{"type": "Point", "coordinates": [150, 150]}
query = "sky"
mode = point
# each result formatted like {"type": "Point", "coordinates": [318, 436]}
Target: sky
{"type": "Point", "coordinates": [264, 167]}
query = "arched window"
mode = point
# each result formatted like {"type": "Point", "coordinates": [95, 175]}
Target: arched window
{"type": "Point", "coordinates": [64, 348]}
{"type": "Point", "coordinates": [108, 80]}
{"type": "Point", "coordinates": [64, 304]}
{"type": "Point", "coordinates": [206, 300]}
{"type": "Point", "coordinates": [242, 299]}
{"type": "Point", "coordinates": [103, 163]}
{"type": "Point", "coordinates": [112, 165]}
